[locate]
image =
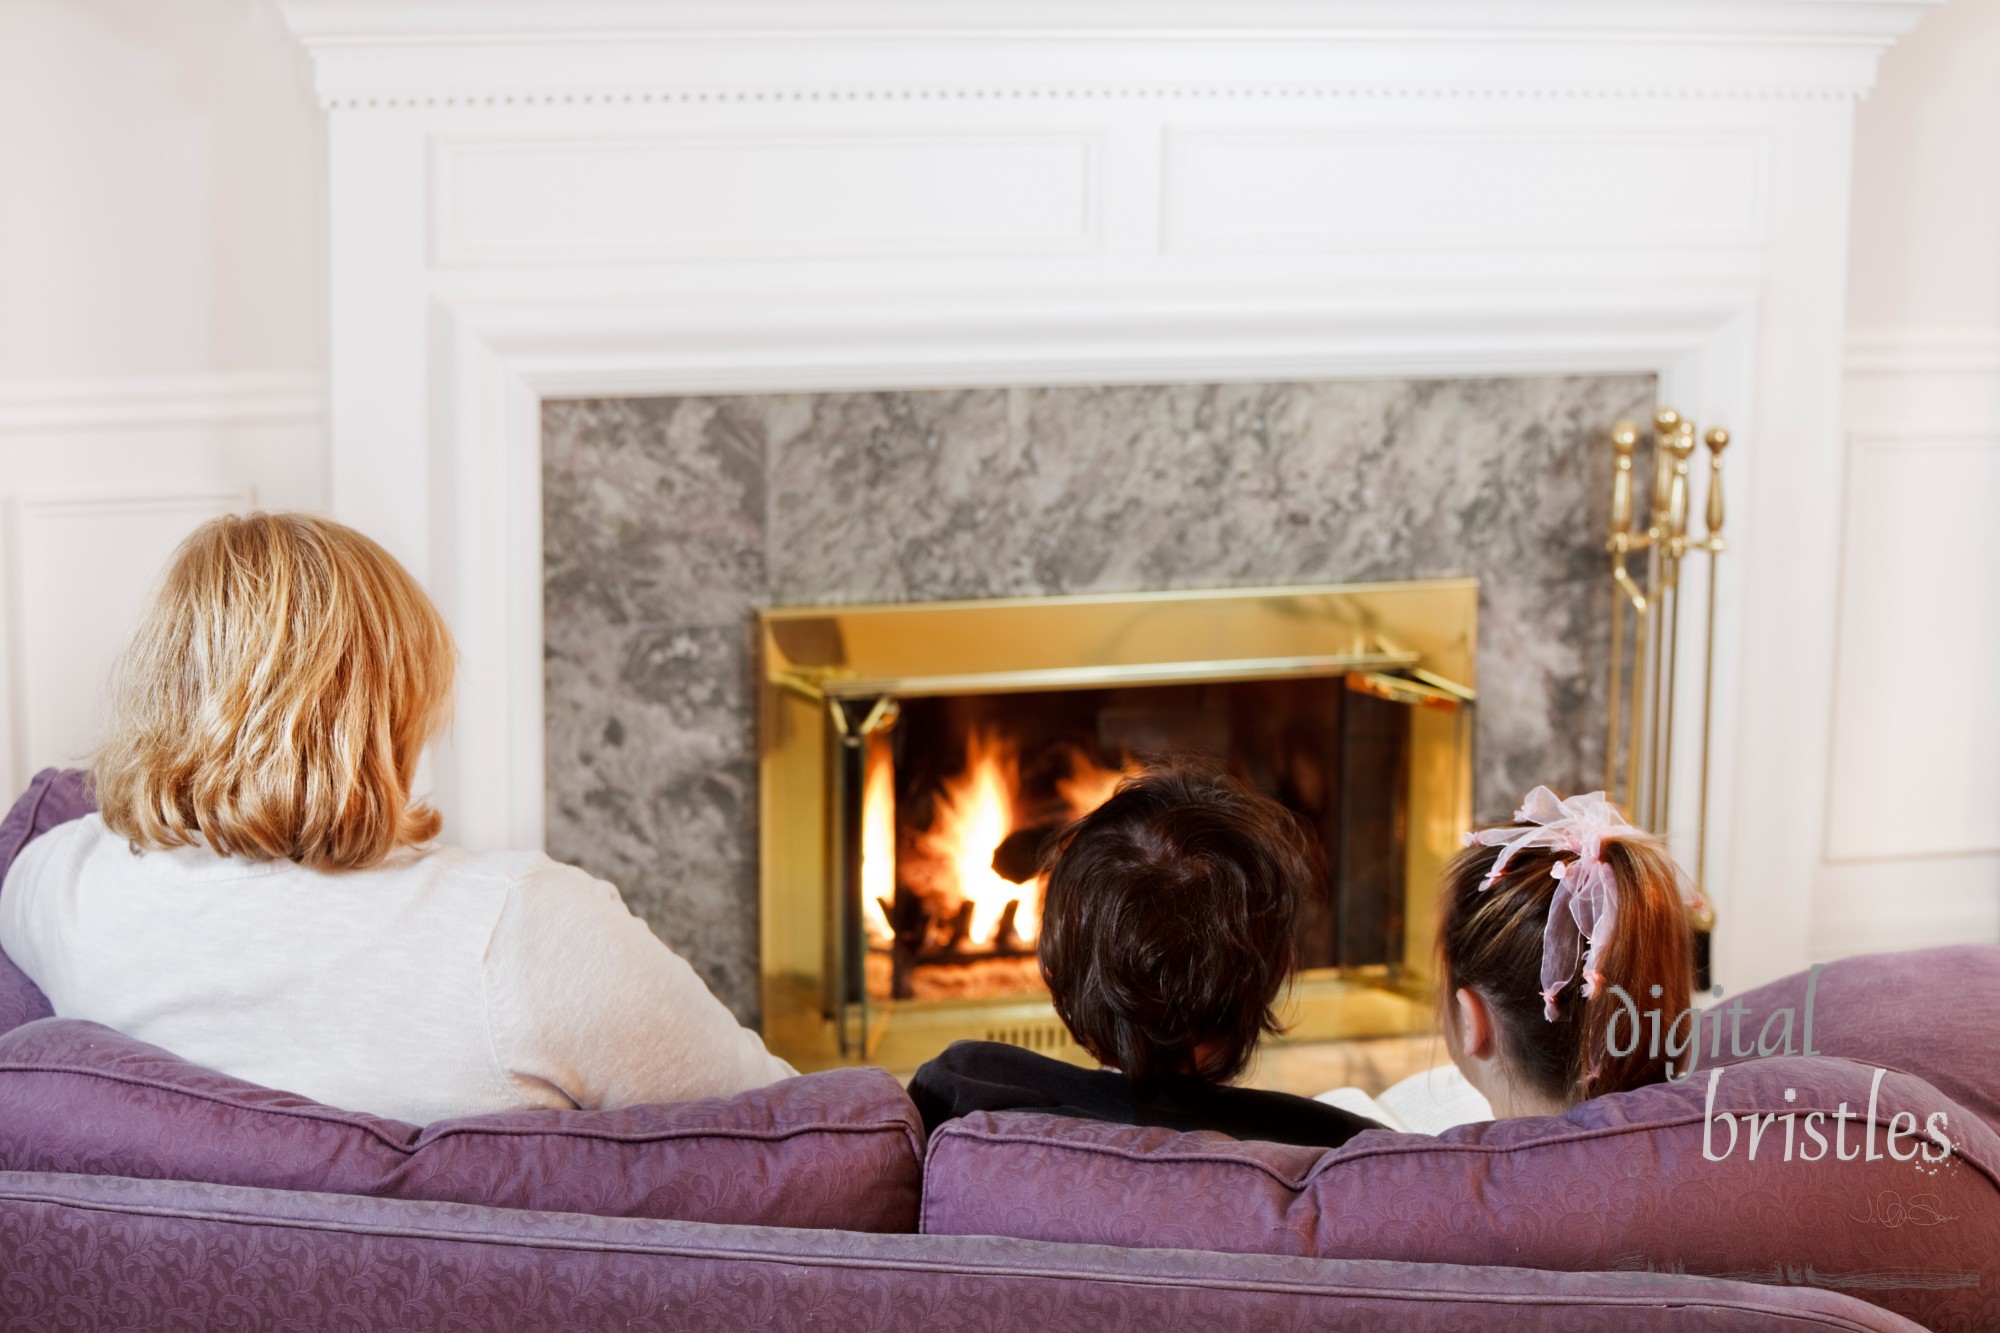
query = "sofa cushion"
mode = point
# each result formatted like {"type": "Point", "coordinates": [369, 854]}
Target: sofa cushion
{"type": "Point", "coordinates": [1619, 1183]}
{"type": "Point", "coordinates": [840, 1149]}
{"type": "Point", "coordinates": [56, 796]}
{"type": "Point", "coordinates": [1934, 1013]}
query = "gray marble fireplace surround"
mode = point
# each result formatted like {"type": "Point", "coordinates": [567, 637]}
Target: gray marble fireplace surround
{"type": "Point", "coordinates": [668, 521]}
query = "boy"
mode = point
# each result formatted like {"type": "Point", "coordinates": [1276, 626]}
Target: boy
{"type": "Point", "coordinates": [1168, 934]}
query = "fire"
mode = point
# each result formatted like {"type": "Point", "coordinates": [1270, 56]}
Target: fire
{"type": "Point", "coordinates": [878, 845]}
{"type": "Point", "coordinates": [1089, 786]}
{"type": "Point", "coordinates": [975, 813]}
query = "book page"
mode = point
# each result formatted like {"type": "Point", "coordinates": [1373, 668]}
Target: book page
{"type": "Point", "coordinates": [1434, 1100]}
{"type": "Point", "coordinates": [1359, 1102]}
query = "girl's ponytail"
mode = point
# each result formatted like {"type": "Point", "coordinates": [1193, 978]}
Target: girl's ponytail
{"type": "Point", "coordinates": [1567, 900]}
{"type": "Point", "coordinates": [1650, 958]}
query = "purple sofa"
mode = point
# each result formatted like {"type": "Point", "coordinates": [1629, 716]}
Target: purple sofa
{"type": "Point", "coordinates": [111, 1214]}
{"type": "Point", "coordinates": [1618, 1183]}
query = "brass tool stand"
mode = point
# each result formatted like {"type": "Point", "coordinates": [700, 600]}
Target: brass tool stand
{"type": "Point", "coordinates": [1641, 725]}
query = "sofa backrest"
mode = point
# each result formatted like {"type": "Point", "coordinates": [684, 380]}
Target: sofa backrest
{"type": "Point", "coordinates": [839, 1149]}
{"type": "Point", "coordinates": [55, 796]}
{"type": "Point", "coordinates": [1621, 1182]}
{"type": "Point", "coordinates": [1934, 1013]}
{"type": "Point", "coordinates": [178, 1255]}
{"type": "Point", "coordinates": [842, 1149]}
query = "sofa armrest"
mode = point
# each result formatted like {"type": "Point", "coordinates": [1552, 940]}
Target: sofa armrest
{"type": "Point", "coordinates": [54, 796]}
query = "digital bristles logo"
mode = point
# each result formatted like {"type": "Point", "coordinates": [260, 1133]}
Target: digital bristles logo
{"type": "Point", "coordinates": [1799, 1135]}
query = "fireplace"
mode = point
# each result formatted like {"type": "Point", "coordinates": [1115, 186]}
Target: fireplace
{"type": "Point", "coordinates": [917, 760]}
{"type": "Point", "coordinates": [671, 524]}
{"type": "Point", "coordinates": [894, 196]}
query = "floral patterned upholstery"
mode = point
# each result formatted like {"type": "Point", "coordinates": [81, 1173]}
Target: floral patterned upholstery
{"type": "Point", "coordinates": [85, 1253]}
{"type": "Point", "coordinates": [1934, 1013]}
{"type": "Point", "coordinates": [1621, 1182]}
{"type": "Point", "coordinates": [838, 1149]}
{"type": "Point", "coordinates": [56, 796]}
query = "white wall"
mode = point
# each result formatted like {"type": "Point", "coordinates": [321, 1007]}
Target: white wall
{"type": "Point", "coordinates": [162, 313]}
{"type": "Point", "coordinates": [162, 307]}
{"type": "Point", "coordinates": [1913, 829]}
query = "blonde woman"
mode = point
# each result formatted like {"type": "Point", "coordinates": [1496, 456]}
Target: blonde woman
{"type": "Point", "coordinates": [258, 893]}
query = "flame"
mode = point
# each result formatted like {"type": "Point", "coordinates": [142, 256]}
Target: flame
{"type": "Point", "coordinates": [878, 845]}
{"type": "Point", "coordinates": [975, 813]}
{"type": "Point", "coordinates": [1089, 786]}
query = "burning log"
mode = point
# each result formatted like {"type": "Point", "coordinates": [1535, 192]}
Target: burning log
{"type": "Point", "coordinates": [961, 928]}
{"type": "Point", "coordinates": [967, 859]}
{"type": "Point", "coordinates": [1018, 858]}
{"type": "Point", "coordinates": [1009, 939]}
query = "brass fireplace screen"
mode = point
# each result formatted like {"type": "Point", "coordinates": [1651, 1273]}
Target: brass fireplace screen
{"type": "Point", "coordinates": [917, 760]}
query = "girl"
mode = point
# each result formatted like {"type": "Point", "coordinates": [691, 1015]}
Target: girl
{"type": "Point", "coordinates": [257, 893]}
{"type": "Point", "coordinates": [1538, 922]}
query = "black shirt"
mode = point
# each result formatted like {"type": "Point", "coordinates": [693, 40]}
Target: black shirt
{"type": "Point", "coordinates": [989, 1076]}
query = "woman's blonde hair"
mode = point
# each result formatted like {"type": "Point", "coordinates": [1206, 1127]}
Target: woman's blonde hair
{"type": "Point", "coordinates": [275, 698]}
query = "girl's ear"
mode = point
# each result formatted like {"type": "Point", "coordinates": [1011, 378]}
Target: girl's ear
{"type": "Point", "coordinates": [1472, 1021]}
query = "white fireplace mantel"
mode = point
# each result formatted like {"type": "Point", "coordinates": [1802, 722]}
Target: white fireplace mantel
{"type": "Point", "coordinates": [561, 197]}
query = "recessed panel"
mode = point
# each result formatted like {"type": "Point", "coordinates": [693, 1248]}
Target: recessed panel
{"type": "Point", "coordinates": [769, 195]}
{"type": "Point", "coordinates": [1913, 771]}
{"type": "Point", "coordinates": [1247, 191]}
{"type": "Point", "coordinates": [86, 567]}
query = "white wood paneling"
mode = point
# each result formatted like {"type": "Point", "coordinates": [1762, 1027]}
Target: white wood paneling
{"type": "Point", "coordinates": [1911, 792]}
{"type": "Point", "coordinates": [99, 480]}
{"type": "Point", "coordinates": [1912, 853]}
{"type": "Point", "coordinates": [1247, 191]}
{"type": "Point", "coordinates": [644, 199]}
{"type": "Point", "coordinates": [83, 569]}
{"type": "Point", "coordinates": [146, 402]}
{"type": "Point", "coordinates": [1915, 903]}
{"type": "Point", "coordinates": [1916, 772]}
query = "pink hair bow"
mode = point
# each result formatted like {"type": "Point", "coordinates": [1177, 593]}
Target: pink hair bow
{"type": "Point", "coordinates": [1587, 892]}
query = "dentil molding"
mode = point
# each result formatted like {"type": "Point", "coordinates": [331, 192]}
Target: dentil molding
{"type": "Point", "coordinates": [392, 54]}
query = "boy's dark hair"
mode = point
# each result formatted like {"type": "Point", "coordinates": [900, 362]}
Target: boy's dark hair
{"type": "Point", "coordinates": [1170, 924]}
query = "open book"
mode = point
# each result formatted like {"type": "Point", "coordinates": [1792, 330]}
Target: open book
{"type": "Point", "coordinates": [1429, 1102]}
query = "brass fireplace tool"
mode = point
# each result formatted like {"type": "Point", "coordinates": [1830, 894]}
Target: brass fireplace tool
{"type": "Point", "coordinates": [1641, 728]}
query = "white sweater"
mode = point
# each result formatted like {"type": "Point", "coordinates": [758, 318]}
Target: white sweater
{"type": "Point", "coordinates": [441, 983]}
